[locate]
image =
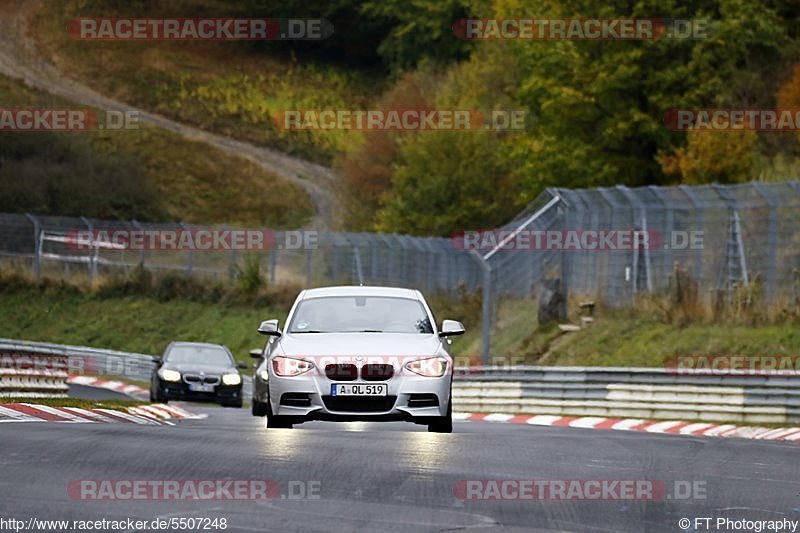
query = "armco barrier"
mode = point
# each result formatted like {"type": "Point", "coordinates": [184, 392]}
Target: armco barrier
{"type": "Point", "coordinates": [31, 383]}
{"type": "Point", "coordinates": [39, 369]}
{"type": "Point", "coordinates": [80, 360]}
{"type": "Point", "coordinates": [629, 393]}
{"type": "Point", "coordinates": [566, 391]}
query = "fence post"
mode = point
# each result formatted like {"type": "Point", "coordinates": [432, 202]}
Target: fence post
{"type": "Point", "coordinates": [95, 248]}
{"type": "Point", "coordinates": [135, 224]}
{"type": "Point", "coordinates": [486, 313]}
{"type": "Point", "coordinates": [37, 244]}
{"type": "Point", "coordinates": [565, 258]}
{"type": "Point", "coordinates": [772, 236]}
{"type": "Point", "coordinates": [308, 265]}
{"type": "Point", "coordinates": [190, 258]}
{"type": "Point", "coordinates": [699, 216]}
{"type": "Point", "coordinates": [357, 265]}
{"type": "Point", "coordinates": [273, 265]}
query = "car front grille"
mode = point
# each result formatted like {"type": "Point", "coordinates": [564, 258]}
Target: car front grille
{"type": "Point", "coordinates": [377, 372]}
{"type": "Point", "coordinates": [195, 378]}
{"type": "Point", "coordinates": [359, 404]}
{"type": "Point", "coordinates": [341, 372]}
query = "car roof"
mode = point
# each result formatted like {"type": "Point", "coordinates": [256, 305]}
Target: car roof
{"type": "Point", "coordinates": [198, 344]}
{"type": "Point", "coordinates": [358, 290]}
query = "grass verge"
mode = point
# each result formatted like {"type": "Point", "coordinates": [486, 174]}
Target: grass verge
{"type": "Point", "coordinates": [116, 405]}
{"type": "Point", "coordinates": [63, 313]}
{"type": "Point", "coordinates": [625, 341]}
{"type": "Point", "coordinates": [142, 313]}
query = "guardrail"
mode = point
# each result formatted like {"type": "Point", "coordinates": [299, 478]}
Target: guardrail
{"type": "Point", "coordinates": [39, 369]}
{"type": "Point", "coordinates": [48, 366]}
{"type": "Point", "coordinates": [566, 391]}
{"type": "Point", "coordinates": [630, 393]}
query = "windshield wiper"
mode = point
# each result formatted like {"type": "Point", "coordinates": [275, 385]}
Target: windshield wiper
{"type": "Point", "coordinates": [371, 331]}
{"type": "Point", "coordinates": [308, 331]}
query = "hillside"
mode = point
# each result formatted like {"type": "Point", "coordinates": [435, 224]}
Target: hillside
{"type": "Point", "coordinates": [594, 111]}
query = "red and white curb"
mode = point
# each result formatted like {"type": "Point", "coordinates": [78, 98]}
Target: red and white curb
{"type": "Point", "coordinates": [673, 427]}
{"type": "Point", "coordinates": [28, 412]}
{"type": "Point", "coordinates": [133, 391]}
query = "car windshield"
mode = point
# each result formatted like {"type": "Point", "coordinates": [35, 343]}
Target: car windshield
{"type": "Point", "coordinates": [203, 355]}
{"type": "Point", "coordinates": [346, 314]}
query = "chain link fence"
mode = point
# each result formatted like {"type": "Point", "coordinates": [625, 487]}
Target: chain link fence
{"type": "Point", "coordinates": [80, 246]}
{"type": "Point", "coordinates": [722, 238]}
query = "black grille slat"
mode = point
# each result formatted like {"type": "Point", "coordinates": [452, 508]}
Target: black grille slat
{"type": "Point", "coordinates": [359, 404]}
{"type": "Point", "coordinates": [196, 378]}
{"type": "Point", "coordinates": [341, 372]}
{"type": "Point", "coordinates": [377, 372]}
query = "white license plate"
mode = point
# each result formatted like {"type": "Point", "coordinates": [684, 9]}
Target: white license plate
{"type": "Point", "coordinates": [201, 387]}
{"type": "Point", "coordinates": [359, 389]}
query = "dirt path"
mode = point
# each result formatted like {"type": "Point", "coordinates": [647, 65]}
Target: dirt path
{"type": "Point", "coordinates": [19, 59]}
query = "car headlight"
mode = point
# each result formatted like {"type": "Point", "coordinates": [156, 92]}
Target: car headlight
{"type": "Point", "coordinates": [231, 379]}
{"type": "Point", "coordinates": [264, 375]}
{"type": "Point", "coordinates": [290, 366]}
{"type": "Point", "coordinates": [430, 367]}
{"type": "Point", "coordinates": [169, 375]}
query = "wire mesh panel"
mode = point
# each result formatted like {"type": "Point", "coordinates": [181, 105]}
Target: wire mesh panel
{"type": "Point", "coordinates": [724, 237]}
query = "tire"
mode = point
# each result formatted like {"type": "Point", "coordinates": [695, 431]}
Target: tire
{"type": "Point", "coordinates": [258, 408]}
{"type": "Point", "coordinates": [161, 396]}
{"type": "Point", "coordinates": [237, 404]}
{"type": "Point", "coordinates": [278, 422]}
{"type": "Point", "coordinates": [152, 395]}
{"type": "Point", "coordinates": [445, 423]}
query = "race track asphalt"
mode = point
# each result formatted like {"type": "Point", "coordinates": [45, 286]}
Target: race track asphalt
{"type": "Point", "coordinates": [392, 476]}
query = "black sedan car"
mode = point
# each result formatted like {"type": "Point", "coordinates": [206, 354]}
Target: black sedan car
{"type": "Point", "coordinates": [197, 371]}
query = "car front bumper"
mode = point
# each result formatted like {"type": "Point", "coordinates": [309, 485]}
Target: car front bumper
{"type": "Point", "coordinates": [180, 391]}
{"type": "Point", "coordinates": [410, 397]}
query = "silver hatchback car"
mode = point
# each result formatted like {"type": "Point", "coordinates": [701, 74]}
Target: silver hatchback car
{"type": "Point", "coordinates": [356, 354]}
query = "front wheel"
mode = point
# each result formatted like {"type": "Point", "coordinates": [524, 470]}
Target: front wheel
{"type": "Point", "coordinates": [274, 421]}
{"type": "Point", "coordinates": [161, 395]}
{"type": "Point", "coordinates": [258, 408]}
{"type": "Point", "coordinates": [278, 422]}
{"type": "Point", "coordinates": [443, 424]}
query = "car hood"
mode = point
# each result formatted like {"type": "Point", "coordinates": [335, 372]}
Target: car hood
{"type": "Point", "coordinates": [359, 344]}
{"type": "Point", "coordinates": [194, 368]}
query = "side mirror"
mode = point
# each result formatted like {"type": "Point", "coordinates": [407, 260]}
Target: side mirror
{"type": "Point", "coordinates": [270, 327]}
{"type": "Point", "coordinates": [451, 328]}
{"type": "Point", "coordinates": [158, 361]}
{"type": "Point", "coordinates": [241, 364]}
{"type": "Point", "coordinates": [257, 353]}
